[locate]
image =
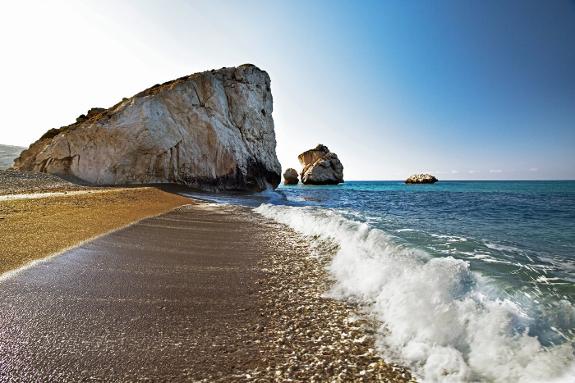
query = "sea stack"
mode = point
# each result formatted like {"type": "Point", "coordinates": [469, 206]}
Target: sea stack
{"type": "Point", "coordinates": [421, 179]}
{"type": "Point", "coordinates": [211, 131]}
{"type": "Point", "coordinates": [320, 167]}
{"type": "Point", "coordinates": [291, 177]}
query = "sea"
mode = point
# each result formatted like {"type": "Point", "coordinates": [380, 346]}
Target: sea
{"type": "Point", "coordinates": [469, 281]}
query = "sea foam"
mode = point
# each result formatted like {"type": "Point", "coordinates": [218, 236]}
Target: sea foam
{"type": "Point", "coordinates": [447, 323]}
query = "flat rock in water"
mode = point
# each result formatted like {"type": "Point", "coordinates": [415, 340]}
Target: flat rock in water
{"type": "Point", "coordinates": [421, 179]}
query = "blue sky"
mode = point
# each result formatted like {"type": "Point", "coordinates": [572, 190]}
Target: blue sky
{"type": "Point", "coordinates": [463, 89]}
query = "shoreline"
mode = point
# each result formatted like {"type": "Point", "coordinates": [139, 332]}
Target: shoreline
{"type": "Point", "coordinates": [294, 331]}
{"type": "Point", "coordinates": [314, 337]}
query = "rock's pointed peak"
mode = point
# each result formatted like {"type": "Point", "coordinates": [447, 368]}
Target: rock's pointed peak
{"type": "Point", "coordinates": [316, 152]}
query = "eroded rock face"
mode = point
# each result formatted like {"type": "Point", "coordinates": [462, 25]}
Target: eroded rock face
{"type": "Point", "coordinates": [421, 179]}
{"type": "Point", "coordinates": [291, 177]}
{"type": "Point", "coordinates": [212, 130]}
{"type": "Point", "coordinates": [320, 167]}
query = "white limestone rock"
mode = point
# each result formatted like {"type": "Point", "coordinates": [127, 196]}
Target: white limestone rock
{"type": "Point", "coordinates": [212, 131]}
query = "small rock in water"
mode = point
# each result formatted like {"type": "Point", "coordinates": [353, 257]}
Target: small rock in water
{"type": "Point", "coordinates": [291, 177]}
{"type": "Point", "coordinates": [320, 167]}
{"type": "Point", "coordinates": [421, 179]}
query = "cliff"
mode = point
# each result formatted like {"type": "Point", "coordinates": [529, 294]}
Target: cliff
{"type": "Point", "coordinates": [212, 131]}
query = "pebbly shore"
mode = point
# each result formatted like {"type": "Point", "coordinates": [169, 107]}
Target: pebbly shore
{"type": "Point", "coordinates": [17, 182]}
{"type": "Point", "coordinates": [306, 336]}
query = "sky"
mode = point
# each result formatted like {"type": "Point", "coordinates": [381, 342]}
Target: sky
{"type": "Point", "coordinates": [462, 89]}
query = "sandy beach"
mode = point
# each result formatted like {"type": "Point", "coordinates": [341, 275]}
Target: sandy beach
{"type": "Point", "coordinates": [201, 293]}
{"type": "Point", "coordinates": [35, 228]}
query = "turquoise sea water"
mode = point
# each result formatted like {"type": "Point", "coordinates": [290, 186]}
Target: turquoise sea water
{"type": "Point", "coordinates": [471, 281]}
{"type": "Point", "coordinates": [521, 233]}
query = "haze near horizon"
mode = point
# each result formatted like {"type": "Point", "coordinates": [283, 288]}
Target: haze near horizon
{"type": "Point", "coordinates": [474, 90]}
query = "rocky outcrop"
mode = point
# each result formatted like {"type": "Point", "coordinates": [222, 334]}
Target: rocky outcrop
{"type": "Point", "coordinates": [421, 179]}
{"type": "Point", "coordinates": [291, 177]}
{"type": "Point", "coordinates": [212, 131]}
{"type": "Point", "coordinates": [320, 167]}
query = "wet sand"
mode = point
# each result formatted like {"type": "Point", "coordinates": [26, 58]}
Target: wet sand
{"type": "Point", "coordinates": [202, 293]}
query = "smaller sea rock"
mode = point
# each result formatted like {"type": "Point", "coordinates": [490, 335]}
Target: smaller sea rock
{"type": "Point", "coordinates": [291, 177]}
{"type": "Point", "coordinates": [320, 167]}
{"type": "Point", "coordinates": [421, 179]}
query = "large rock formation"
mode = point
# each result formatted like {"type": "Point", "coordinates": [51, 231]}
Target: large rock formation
{"type": "Point", "coordinates": [421, 179]}
{"type": "Point", "coordinates": [211, 130]}
{"type": "Point", "coordinates": [291, 177]}
{"type": "Point", "coordinates": [320, 167]}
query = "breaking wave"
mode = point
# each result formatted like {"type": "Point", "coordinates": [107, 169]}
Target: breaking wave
{"type": "Point", "coordinates": [444, 321]}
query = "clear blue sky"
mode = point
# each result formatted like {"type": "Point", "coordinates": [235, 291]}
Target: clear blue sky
{"type": "Point", "coordinates": [464, 89]}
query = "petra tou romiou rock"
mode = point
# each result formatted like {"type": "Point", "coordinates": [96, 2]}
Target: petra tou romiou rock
{"type": "Point", "coordinates": [421, 179]}
{"type": "Point", "coordinates": [320, 167]}
{"type": "Point", "coordinates": [291, 177]}
{"type": "Point", "coordinates": [212, 131]}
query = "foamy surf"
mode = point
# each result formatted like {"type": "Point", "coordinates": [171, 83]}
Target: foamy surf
{"type": "Point", "coordinates": [447, 323]}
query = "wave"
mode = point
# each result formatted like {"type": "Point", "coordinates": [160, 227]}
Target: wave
{"type": "Point", "coordinates": [447, 323]}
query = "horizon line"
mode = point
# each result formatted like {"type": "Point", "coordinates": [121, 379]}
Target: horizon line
{"type": "Point", "coordinates": [468, 180]}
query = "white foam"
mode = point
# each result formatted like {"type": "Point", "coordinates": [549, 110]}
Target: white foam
{"type": "Point", "coordinates": [438, 317]}
{"type": "Point", "coordinates": [500, 247]}
{"type": "Point", "coordinates": [449, 238]}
